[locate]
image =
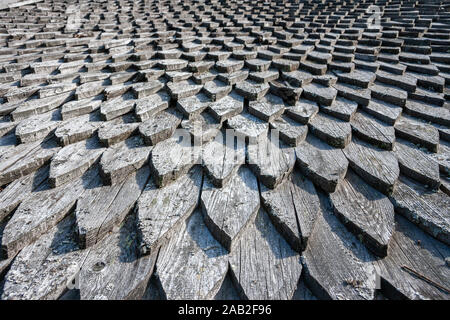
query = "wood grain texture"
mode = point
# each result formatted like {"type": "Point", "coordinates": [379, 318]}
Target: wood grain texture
{"type": "Point", "coordinates": [149, 106]}
{"type": "Point", "coordinates": [121, 159]}
{"type": "Point", "coordinates": [230, 209]}
{"type": "Point", "coordinates": [114, 131]}
{"type": "Point", "coordinates": [228, 290]}
{"type": "Point", "coordinates": [102, 208]}
{"type": "Point", "coordinates": [171, 159]}
{"type": "Point", "coordinates": [417, 164]}
{"type": "Point", "coordinates": [43, 269]}
{"type": "Point", "coordinates": [193, 264]}
{"type": "Point", "coordinates": [303, 111]}
{"type": "Point", "coordinates": [267, 108]}
{"type": "Point", "coordinates": [202, 128]}
{"type": "Point", "coordinates": [291, 132]}
{"type": "Point", "coordinates": [417, 132]}
{"type": "Point", "coordinates": [377, 167]}
{"type": "Point", "coordinates": [373, 130]}
{"type": "Point", "coordinates": [428, 209]}
{"type": "Point", "coordinates": [20, 189]}
{"type": "Point", "coordinates": [292, 207]}
{"type": "Point", "coordinates": [383, 111]}
{"type": "Point", "coordinates": [341, 108]}
{"type": "Point", "coordinates": [366, 212]}
{"type": "Point", "coordinates": [335, 132]}
{"type": "Point", "coordinates": [23, 159]}
{"type": "Point", "coordinates": [227, 107]}
{"type": "Point", "coordinates": [270, 162]}
{"type": "Point", "coordinates": [160, 127]}
{"type": "Point", "coordinates": [302, 292]}
{"type": "Point", "coordinates": [73, 160]}
{"type": "Point", "coordinates": [37, 127]}
{"type": "Point", "coordinates": [160, 210]}
{"type": "Point", "coordinates": [116, 107]}
{"type": "Point", "coordinates": [121, 113]}
{"type": "Point", "coordinates": [414, 249]}
{"type": "Point", "coordinates": [248, 126]}
{"type": "Point", "coordinates": [263, 266]}
{"type": "Point", "coordinates": [221, 160]}
{"type": "Point", "coordinates": [112, 270]}
{"type": "Point", "coordinates": [193, 105]}
{"type": "Point", "coordinates": [337, 266]}
{"type": "Point", "coordinates": [321, 163]}
{"type": "Point", "coordinates": [40, 212]}
{"type": "Point", "coordinates": [78, 129]}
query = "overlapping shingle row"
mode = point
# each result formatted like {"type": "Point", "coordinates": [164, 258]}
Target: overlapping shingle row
{"type": "Point", "coordinates": [335, 187]}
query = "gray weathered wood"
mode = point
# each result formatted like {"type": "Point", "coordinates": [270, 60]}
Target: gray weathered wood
{"type": "Point", "coordinates": [285, 90]}
{"type": "Point", "coordinates": [324, 165]}
{"type": "Point", "coordinates": [384, 111]}
{"type": "Point", "coordinates": [373, 130]}
{"type": "Point", "coordinates": [414, 249]}
{"type": "Point", "coordinates": [160, 210]}
{"type": "Point", "coordinates": [216, 89]}
{"type": "Point", "coordinates": [366, 212]}
{"type": "Point", "coordinates": [320, 94]}
{"type": "Point", "coordinates": [292, 207]}
{"type": "Point", "coordinates": [18, 161]}
{"type": "Point", "coordinates": [230, 209]}
{"type": "Point", "coordinates": [102, 208]}
{"type": "Point", "coordinates": [270, 162]}
{"type": "Point", "coordinates": [263, 266]}
{"type": "Point", "coordinates": [89, 90]}
{"type": "Point", "coordinates": [337, 266]}
{"type": "Point", "coordinates": [202, 128]}
{"type": "Point", "coordinates": [341, 108]}
{"type": "Point", "coordinates": [249, 127]}
{"type": "Point", "coordinates": [20, 189]}
{"type": "Point", "coordinates": [43, 269]}
{"type": "Point", "coordinates": [428, 112]}
{"type": "Point", "coordinates": [221, 160]}
{"type": "Point", "coordinates": [73, 160]}
{"type": "Point", "coordinates": [35, 107]}
{"type": "Point", "coordinates": [77, 129]}
{"type": "Point", "coordinates": [41, 211]}
{"type": "Point", "coordinates": [193, 105]}
{"type": "Point", "coordinates": [193, 264]}
{"type": "Point", "coordinates": [147, 107]}
{"type": "Point", "coordinates": [227, 107]}
{"type": "Point", "coordinates": [417, 132]}
{"type": "Point", "coordinates": [303, 111]}
{"type": "Point", "coordinates": [377, 167]}
{"type": "Point", "coordinates": [145, 89]}
{"type": "Point", "coordinates": [291, 132]}
{"type": "Point", "coordinates": [116, 107]}
{"type": "Point", "coordinates": [183, 89]}
{"type": "Point", "coordinates": [121, 159]}
{"type": "Point", "coordinates": [171, 159]}
{"type": "Point", "coordinates": [252, 90]}
{"type": "Point", "coordinates": [113, 269]}
{"type": "Point", "coordinates": [442, 157]}
{"type": "Point", "coordinates": [79, 107]}
{"type": "Point", "coordinates": [116, 130]}
{"type": "Point", "coordinates": [227, 290]}
{"type": "Point", "coordinates": [417, 164]}
{"type": "Point", "coordinates": [302, 292]}
{"type": "Point", "coordinates": [335, 132]}
{"type": "Point", "coordinates": [160, 127]}
{"type": "Point", "coordinates": [267, 108]}
{"type": "Point", "coordinates": [37, 127]}
{"type": "Point", "coordinates": [427, 209]}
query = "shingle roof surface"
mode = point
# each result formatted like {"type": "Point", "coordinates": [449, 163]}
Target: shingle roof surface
{"type": "Point", "coordinates": [336, 186]}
